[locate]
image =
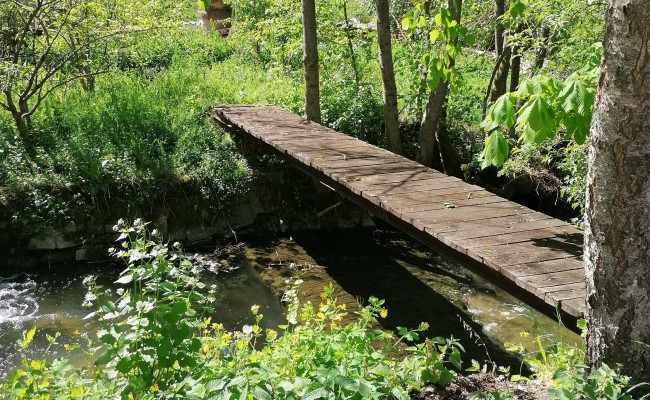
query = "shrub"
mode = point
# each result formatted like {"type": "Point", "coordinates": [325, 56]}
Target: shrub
{"type": "Point", "coordinates": [158, 340]}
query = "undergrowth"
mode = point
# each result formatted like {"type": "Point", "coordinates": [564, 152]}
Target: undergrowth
{"type": "Point", "coordinates": [158, 340]}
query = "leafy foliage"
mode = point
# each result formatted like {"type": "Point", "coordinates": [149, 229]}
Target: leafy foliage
{"type": "Point", "coordinates": [547, 104]}
{"type": "Point", "coordinates": [443, 33]}
{"type": "Point", "coordinates": [562, 367]}
{"type": "Point", "coordinates": [158, 341]}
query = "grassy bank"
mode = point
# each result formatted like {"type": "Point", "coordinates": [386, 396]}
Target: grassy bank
{"type": "Point", "coordinates": [145, 126]}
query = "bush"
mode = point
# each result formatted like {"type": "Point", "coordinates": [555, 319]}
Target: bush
{"type": "Point", "coordinates": [158, 340]}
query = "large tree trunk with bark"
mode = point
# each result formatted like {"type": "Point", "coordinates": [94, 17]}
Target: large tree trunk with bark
{"type": "Point", "coordinates": [310, 61]}
{"type": "Point", "coordinates": [391, 115]}
{"type": "Point", "coordinates": [431, 136]}
{"type": "Point", "coordinates": [430, 119]}
{"type": "Point", "coordinates": [617, 220]}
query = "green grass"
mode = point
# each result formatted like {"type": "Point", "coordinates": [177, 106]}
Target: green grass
{"type": "Point", "coordinates": [147, 124]}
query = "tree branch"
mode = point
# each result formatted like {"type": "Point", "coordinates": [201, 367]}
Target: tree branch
{"type": "Point", "coordinates": [41, 61]}
{"type": "Point", "coordinates": [41, 96]}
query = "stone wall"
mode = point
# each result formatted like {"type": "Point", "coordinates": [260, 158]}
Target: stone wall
{"type": "Point", "coordinates": [281, 201]}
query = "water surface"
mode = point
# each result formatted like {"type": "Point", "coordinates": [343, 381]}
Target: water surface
{"type": "Point", "coordinates": [417, 284]}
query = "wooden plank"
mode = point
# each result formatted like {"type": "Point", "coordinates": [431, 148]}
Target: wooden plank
{"type": "Point", "coordinates": [576, 307]}
{"type": "Point", "coordinates": [458, 199]}
{"type": "Point", "coordinates": [425, 186]}
{"type": "Point", "coordinates": [367, 170]}
{"type": "Point", "coordinates": [524, 250]}
{"type": "Point", "coordinates": [444, 220]}
{"type": "Point", "coordinates": [543, 267]}
{"type": "Point", "coordinates": [521, 254]}
{"type": "Point", "coordinates": [394, 176]}
{"type": "Point", "coordinates": [404, 203]}
{"type": "Point", "coordinates": [561, 232]}
{"type": "Point", "coordinates": [536, 283]}
{"type": "Point", "coordinates": [565, 292]}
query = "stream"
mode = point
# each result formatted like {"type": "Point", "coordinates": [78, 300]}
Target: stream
{"type": "Point", "coordinates": [417, 284]}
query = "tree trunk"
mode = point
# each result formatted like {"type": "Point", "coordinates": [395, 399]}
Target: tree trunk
{"type": "Point", "coordinates": [429, 128]}
{"type": "Point", "coordinates": [515, 74]}
{"type": "Point", "coordinates": [449, 157]}
{"type": "Point", "coordinates": [353, 58]}
{"type": "Point", "coordinates": [310, 61]}
{"type": "Point", "coordinates": [501, 47]}
{"type": "Point", "coordinates": [499, 10]}
{"type": "Point", "coordinates": [391, 115]}
{"type": "Point", "coordinates": [501, 77]}
{"type": "Point", "coordinates": [429, 125]}
{"type": "Point", "coordinates": [427, 7]}
{"type": "Point", "coordinates": [540, 54]}
{"type": "Point", "coordinates": [617, 220]}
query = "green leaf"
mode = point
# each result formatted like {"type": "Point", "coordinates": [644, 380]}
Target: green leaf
{"type": "Point", "coordinates": [434, 79]}
{"type": "Point", "coordinates": [405, 23]}
{"type": "Point", "coordinates": [496, 150]}
{"type": "Point", "coordinates": [454, 358]}
{"type": "Point", "coordinates": [446, 377]}
{"type": "Point", "coordinates": [433, 36]}
{"type": "Point", "coordinates": [538, 118]}
{"type": "Point", "coordinates": [203, 4]}
{"type": "Point", "coordinates": [501, 113]}
{"type": "Point", "coordinates": [262, 393]}
{"type": "Point", "coordinates": [104, 358]}
{"type": "Point", "coordinates": [517, 8]}
{"type": "Point", "coordinates": [317, 393]}
{"type": "Point", "coordinates": [27, 338]}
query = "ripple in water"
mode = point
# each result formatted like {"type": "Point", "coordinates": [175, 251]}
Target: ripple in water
{"type": "Point", "coordinates": [17, 298]}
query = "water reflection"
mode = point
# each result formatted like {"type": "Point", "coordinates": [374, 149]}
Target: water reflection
{"type": "Point", "coordinates": [418, 286]}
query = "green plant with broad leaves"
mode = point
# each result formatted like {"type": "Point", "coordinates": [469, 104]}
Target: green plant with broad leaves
{"type": "Point", "coordinates": [542, 107]}
{"type": "Point", "coordinates": [446, 38]}
{"type": "Point", "coordinates": [562, 368]}
{"type": "Point", "coordinates": [158, 341]}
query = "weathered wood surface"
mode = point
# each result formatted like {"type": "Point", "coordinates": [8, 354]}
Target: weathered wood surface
{"type": "Point", "coordinates": [536, 257]}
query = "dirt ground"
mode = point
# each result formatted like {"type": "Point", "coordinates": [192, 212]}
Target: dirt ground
{"type": "Point", "coordinates": [463, 386]}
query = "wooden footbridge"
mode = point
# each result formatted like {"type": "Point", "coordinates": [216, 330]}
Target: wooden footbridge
{"type": "Point", "coordinates": [535, 257]}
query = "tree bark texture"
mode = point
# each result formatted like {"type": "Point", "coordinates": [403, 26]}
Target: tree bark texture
{"type": "Point", "coordinates": [542, 51]}
{"type": "Point", "coordinates": [499, 40]}
{"type": "Point", "coordinates": [501, 77]}
{"type": "Point", "coordinates": [429, 125]}
{"type": "Point", "coordinates": [391, 114]}
{"type": "Point", "coordinates": [515, 74]}
{"type": "Point", "coordinates": [310, 60]}
{"type": "Point", "coordinates": [617, 220]}
{"type": "Point", "coordinates": [433, 112]}
{"type": "Point", "coordinates": [501, 47]}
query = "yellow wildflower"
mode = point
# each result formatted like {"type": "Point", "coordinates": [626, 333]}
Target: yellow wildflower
{"type": "Point", "coordinates": [67, 347]}
{"type": "Point", "coordinates": [524, 333]}
{"type": "Point", "coordinates": [342, 306]}
{"type": "Point", "coordinates": [255, 308]}
{"type": "Point", "coordinates": [383, 313]}
{"type": "Point", "coordinates": [76, 332]}
{"type": "Point", "coordinates": [154, 388]}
